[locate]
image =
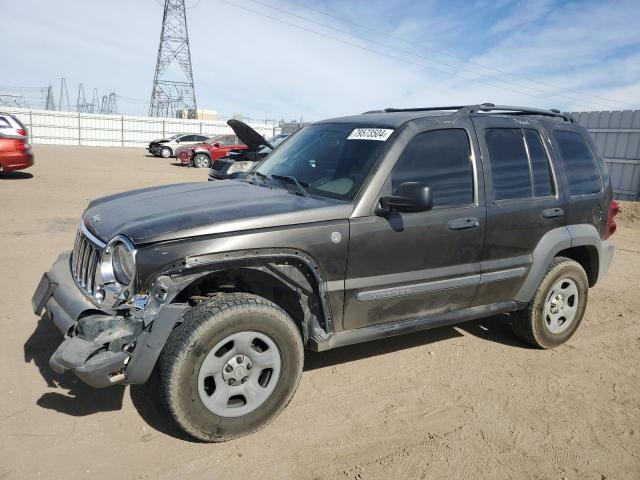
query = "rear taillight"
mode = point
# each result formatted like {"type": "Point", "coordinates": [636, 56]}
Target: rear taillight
{"type": "Point", "coordinates": [611, 223]}
{"type": "Point", "coordinates": [20, 146]}
{"type": "Point", "coordinates": [22, 131]}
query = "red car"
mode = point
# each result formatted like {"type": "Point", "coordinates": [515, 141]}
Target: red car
{"type": "Point", "coordinates": [203, 155]}
{"type": "Point", "coordinates": [15, 151]}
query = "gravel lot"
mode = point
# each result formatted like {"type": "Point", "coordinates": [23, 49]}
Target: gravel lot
{"type": "Point", "coordinates": [456, 402]}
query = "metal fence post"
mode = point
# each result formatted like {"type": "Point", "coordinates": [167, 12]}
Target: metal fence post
{"type": "Point", "coordinates": [200, 128]}
{"type": "Point", "coordinates": [122, 130]}
{"type": "Point", "coordinates": [79, 132]}
{"type": "Point", "coordinates": [163, 134]}
{"type": "Point", "coordinates": [31, 124]}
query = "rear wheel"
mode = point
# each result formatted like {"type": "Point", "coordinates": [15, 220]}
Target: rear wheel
{"type": "Point", "coordinates": [231, 367]}
{"type": "Point", "coordinates": [201, 161]}
{"type": "Point", "coordinates": [557, 308]}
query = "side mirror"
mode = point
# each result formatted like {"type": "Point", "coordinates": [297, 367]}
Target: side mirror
{"type": "Point", "coordinates": [177, 140]}
{"type": "Point", "coordinates": [408, 197]}
{"type": "Point", "coordinates": [217, 144]}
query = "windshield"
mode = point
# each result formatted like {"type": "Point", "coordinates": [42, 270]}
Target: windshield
{"type": "Point", "coordinates": [217, 139]}
{"type": "Point", "coordinates": [325, 160]}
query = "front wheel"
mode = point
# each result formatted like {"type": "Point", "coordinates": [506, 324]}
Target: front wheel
{"type": "Point", "coordinates": [165, 152]}
{"type": "Point", "coordinates": [557, 308]}
{"type": "Point", "coordinates": [230, 367]}
{"type": "Point", "coordinates": [201, 161]}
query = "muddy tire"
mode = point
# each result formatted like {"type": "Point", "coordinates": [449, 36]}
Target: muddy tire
{"type": "Point", "coordinates": [557, 308]}
{"type": "Point", "coordinates": [230, 367]}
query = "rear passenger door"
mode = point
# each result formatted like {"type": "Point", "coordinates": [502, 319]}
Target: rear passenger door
{"type": "Point", "coordinates": [522, 198]}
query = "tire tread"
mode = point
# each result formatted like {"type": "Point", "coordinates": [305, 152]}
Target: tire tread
{"type": "Point", "coordinates": [196, 321]}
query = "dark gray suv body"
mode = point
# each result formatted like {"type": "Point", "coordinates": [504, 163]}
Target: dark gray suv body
{"type": "Point", "coordinates": [356, 228]}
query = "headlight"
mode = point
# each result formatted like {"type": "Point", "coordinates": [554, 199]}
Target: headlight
{"type": "Point", "coordinates": [239, 167]}
{"type": "Point", "coordinates": [119, 261]}
{"type": "Point", "coordinates": [123, 264]}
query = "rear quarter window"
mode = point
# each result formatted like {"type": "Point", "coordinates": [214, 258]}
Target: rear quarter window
{"type": "Point", "coordinates": [579, 163]}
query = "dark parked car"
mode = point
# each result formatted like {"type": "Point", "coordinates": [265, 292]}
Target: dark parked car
{"type": "Point", "coordinates": [354, 229]}
{"type": "Point", "coordinates": [237, 162]}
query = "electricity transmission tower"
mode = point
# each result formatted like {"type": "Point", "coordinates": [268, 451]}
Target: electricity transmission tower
{"type": "Point", "coordinates": [173, 80]}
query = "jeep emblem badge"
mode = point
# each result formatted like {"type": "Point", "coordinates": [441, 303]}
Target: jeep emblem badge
{"type": "Point", "coordinates": [336, 237]}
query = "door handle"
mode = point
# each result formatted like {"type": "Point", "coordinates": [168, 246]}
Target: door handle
{"type": "Point", "coordinates": [552, 213]}
{"type": "Point", "coordinates": [463, 223]}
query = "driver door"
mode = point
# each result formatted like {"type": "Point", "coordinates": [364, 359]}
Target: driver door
{"type": "Point", "coordinates": [412, 265]}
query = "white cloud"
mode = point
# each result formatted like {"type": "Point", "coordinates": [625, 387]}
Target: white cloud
{"type": "Point", "coordinates": [526, 11]}
{"type": "Point", "coordinates": [247, 63]}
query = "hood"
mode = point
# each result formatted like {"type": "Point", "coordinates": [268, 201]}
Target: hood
{"type": "Point", "coordinates": [248, 135]}
{"type": "Point", "coordinates": [205, 208]}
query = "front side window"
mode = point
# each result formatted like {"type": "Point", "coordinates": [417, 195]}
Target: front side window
{"type": "Point", "coordinates": [329, 159]}
{"type": "Point", "coordinates": [519, 164]}
{"type": "Point", "coordinates": [579, 163]}
{"type": "Point", "coordinates": [440, 159]}
{"type": "Point", "coordinates": [4, 123]}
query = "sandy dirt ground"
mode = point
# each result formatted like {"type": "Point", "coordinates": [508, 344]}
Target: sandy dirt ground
{"type": "Point", "coordinates": [461, 402]}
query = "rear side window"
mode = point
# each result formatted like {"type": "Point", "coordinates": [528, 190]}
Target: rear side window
{"type": "Point", "coordinates": [578, 160]}
{"type": "Point", "coordinates": [519, 164]}
{"type": "Point", "coordinates": [541, 173]}
{"type": "Point", "coordinates": [440, 159]}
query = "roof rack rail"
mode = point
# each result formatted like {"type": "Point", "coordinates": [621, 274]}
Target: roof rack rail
{"type": "Point", "coordinates": [490, 107]}
{"type": "Point", "coordinates": [485, 107]}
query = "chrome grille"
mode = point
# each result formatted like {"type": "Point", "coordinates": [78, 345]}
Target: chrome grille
{"type": "Point", "coordinates": [84, 261]}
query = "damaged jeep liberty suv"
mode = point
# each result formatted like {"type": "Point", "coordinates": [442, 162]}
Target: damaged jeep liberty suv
{"type": "Point", "coordinates": [354, 229]}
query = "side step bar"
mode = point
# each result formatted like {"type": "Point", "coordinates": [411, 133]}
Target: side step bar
{"type": "Point", "coordinates": [375, 332]}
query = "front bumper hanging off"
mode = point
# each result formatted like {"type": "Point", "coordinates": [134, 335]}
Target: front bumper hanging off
{"type": "Point", "coordinates": [101, 348]}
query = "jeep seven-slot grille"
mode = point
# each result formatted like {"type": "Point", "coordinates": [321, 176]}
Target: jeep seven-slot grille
{"type": "Point", "coordinates": [84, 262]}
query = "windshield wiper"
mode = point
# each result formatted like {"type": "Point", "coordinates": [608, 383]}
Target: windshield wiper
{"type": "Point", "coordinates": [293, 180]}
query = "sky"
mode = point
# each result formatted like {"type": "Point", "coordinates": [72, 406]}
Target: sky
{"type": "Point", "coordinates": [313, 59]}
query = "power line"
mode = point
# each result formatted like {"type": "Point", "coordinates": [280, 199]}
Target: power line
{"type": "Point", "coordinates": [394, 57]}
{"type": "Point", "coordinates": [457, 58]}
{"type": "Point", "coordinates": [457, 73]}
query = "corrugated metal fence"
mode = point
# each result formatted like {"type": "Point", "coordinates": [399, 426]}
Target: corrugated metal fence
{"type": "Point", "coordinates": [72, 128]}
{"type": "Point", "coordinates": [617, 135]}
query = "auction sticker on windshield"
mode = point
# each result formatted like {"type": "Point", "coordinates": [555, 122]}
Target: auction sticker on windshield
{"type": "Point", "coordinates": [380, 134]}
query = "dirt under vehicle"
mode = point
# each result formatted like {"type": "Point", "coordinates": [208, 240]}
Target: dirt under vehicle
{"type": "Point", "coordinates": [354, 229]}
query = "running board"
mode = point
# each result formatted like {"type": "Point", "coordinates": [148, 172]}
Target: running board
{"type": "Point", "coordinates": [375, 332]}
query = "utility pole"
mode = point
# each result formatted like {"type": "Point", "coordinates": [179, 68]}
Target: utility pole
{"type": "Point", "coordinates": [173, 80]}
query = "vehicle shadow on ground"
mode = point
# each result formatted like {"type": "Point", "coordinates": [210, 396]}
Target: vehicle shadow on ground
{"type": "Point", "coordinates": [15, 175]}
{"type": "Point", "coordinates": [495, 329]}
{"type": "Point", "coordinates": [75, 398]}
